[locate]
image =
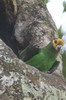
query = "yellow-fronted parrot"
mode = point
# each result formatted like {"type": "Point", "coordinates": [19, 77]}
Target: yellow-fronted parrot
{"type": "Point", "coordinates": [46, 57]}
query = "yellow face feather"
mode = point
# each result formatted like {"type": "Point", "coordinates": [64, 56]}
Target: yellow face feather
{"type": "Point", "coordinates": [57, 43]}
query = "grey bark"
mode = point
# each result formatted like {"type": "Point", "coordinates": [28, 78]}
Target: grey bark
{"type": "Point", "coordinates": [19, 81]}
{"type": "Point", "coordinates": [34, 24]}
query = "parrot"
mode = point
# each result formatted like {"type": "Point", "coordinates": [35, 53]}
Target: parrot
{"type": "Point", "coordinates": [45, 58]}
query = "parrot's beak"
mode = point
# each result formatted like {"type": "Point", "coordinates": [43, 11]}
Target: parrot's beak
{"type": "Point", "coordinates": [58, 47]}
{"type": "Point", "coordinates": [58, 44]}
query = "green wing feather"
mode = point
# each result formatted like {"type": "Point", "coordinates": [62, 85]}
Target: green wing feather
{"type": "Point", "coordinates": [28, 52]}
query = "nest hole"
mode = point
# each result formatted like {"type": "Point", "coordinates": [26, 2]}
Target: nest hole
{"type": "Point", "coordinates": [7, 29]}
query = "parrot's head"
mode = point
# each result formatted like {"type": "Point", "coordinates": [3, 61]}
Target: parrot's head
{"type": "Point", "coordinates": [58, 43]}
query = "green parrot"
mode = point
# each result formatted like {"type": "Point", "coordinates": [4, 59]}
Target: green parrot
{"type": "Point", "coordinates": [46, 57]}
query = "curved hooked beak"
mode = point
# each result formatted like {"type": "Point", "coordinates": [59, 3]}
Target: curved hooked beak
{"type": "Point", "coordinates": [58, 47]}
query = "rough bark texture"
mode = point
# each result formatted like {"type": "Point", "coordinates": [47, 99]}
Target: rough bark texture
{"type": "Point", "coordinates": [19, 81]}
{"type": "Point", "coordinates": [34, 21]}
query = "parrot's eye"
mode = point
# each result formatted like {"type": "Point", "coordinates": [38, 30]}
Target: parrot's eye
{"type": "Point", "coordinates": [55, 41]}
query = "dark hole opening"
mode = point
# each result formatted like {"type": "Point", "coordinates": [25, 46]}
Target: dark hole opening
{"type": "Point", "coordinates": [7, 30]}
{"type": "Point", "coordinates": [3, 21]}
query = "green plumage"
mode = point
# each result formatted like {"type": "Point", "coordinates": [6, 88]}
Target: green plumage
{"type": "Point", "coordinates": [45, 59]}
